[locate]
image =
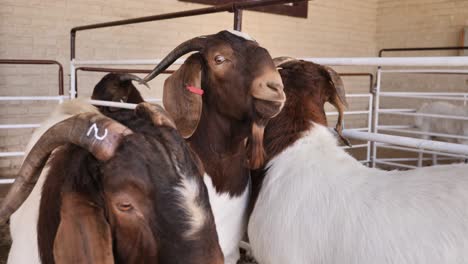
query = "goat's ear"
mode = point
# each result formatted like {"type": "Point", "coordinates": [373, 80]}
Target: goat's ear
{"type": "Point", "coordinates": [338, 100]}
{"type": "Point", "coordinates": [83, 235]}
{"type": "Point", "coordinates": [182, 95]}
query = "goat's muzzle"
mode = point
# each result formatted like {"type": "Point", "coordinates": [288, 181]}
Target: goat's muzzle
{"type": "Point", "coordinates": [268, 94]}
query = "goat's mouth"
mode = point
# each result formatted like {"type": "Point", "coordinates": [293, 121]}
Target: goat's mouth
{"type": "Point", "coordinates": [267, 109]}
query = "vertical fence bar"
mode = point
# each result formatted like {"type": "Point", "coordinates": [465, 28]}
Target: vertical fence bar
{"type": "Point", "coordinates": [376, 113]}
{"type": "Point", "coordinates": [73, 93]}
{"type": "Point", "coordinates": [369, 126]}
{"type": "Point", "coordinates": [238, 19]}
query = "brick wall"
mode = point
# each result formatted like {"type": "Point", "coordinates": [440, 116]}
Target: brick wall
{"type": "Point", "coordinates": [39, 29]}
{"type": "Point", "coordinates": [420, 23]}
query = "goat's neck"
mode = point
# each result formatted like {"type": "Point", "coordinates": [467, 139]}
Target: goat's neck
{"type": "Point", "coordinates": [219, 141]}
{"type": "Point", "coordinates": [317, 153]}
{"type": "Point", "coordinates": [290, 125]}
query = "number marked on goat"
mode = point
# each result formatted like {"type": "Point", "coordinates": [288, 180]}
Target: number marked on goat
{"type": "Point", "coordinates": [96, 131]}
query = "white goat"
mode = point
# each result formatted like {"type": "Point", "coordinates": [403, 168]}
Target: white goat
{"type": "Point", "coordinates": [443, 126]}
{"type": "Point", "coordinates": [439, 125]}
{"type": "Point", "coordinates": [23, 223]}
{"type": "Point", "coordinates": [318, 204]}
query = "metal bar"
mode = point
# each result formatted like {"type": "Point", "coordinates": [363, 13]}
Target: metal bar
{"type": "Point", "coordinates": [123, 62]}
{"type": "Point", "coordinates": [16, 126]}
{"type": "Point", "coordinates": [40, 62]}
{"type": "Point", "coordinates": [231, 7]}
{"type": "Point", "coordinates": [7, 181]}
{"type": "Point", "coordinates": [238, 19]}
{"type": "Point", "coordinates": [11, 154]}
{"type": "Point", "coordinates": [32, 98]}
{"type": "Point", "coordinates": [461, 156]}
{"type": "Point", "coordinates": [355, 146]}
{"type": "Point", "coordinates": [348, 61]}
{"type": "Point", "coordinates": [349, 113]}
{"type": "Point", "coordinates": [119, 70]}
{"type": "Point", "coordinates": [424, 93]}
{"type": "Point", "coordinates": [376, 104]}
{"type": "Point", "coordinates": [369, 125]}
{"type": "Point", "coordinates": [112, 104]}
{"type": "Point", "coordinates": [396, 112]}
{"type": "Point", "coordinates": [431, 71]}
{"type": "Point", "coordinates": [415, 159]}
{"type": "Point", "coordinates": [408, 142]}
{"type": "Point", "coordinates": [395, 164]}
{"type": "Point", "coordinates": [422, 49]}
{"type": "Point", "coordinates": [426, 97]}
{"type": "Point", "coordinates": [371, 77]}
{"type": "Point", "coordinates": [392, 61]}
{"type": "Point", "coordinates": [424, 133]}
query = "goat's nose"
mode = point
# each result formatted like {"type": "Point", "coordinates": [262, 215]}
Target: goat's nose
{"type": "Point", "coordinates": [275, 86]}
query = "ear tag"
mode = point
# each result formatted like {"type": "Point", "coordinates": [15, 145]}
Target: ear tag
{"type": "Point", "coordinates": [195, 90]}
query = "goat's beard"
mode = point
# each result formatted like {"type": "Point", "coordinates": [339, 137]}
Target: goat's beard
{"type": "Point", "coordinates": [255, 144]}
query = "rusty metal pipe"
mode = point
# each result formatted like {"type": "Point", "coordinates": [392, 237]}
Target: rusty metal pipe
{"type": "Point", "coordinates": [363, 74]}
{"type": "Point", "coordinates": [39, 62]}
{"type": "Point", "coordinates": [238, 19]}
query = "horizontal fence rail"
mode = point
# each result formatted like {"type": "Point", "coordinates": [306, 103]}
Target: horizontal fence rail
{"type": "Point", "coordinates": [40, 62]}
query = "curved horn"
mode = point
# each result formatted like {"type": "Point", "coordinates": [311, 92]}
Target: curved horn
{"type": "Point", "coordinates": [279, 61]}
{"type": "Point", "coordinates": [339, 101]}
{"type": "Point", "coordinates": [195, 44]}
{"type": "Point", "coordinates": [131, 77]}
{"type": "Point", "coordinates": [155, 113]}
{"type": "Point", "coordinates": [98, 134]}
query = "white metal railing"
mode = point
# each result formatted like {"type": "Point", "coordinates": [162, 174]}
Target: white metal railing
{"type": "Point", "coordinates": [410, 130]}
{"type": "Point", "coordinates": [364, 135]}
{"type": "Point", "coordinates": [59, 99]}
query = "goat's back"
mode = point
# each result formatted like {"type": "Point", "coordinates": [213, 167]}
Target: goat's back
{"type": "Point", "coordinates": [319, 205]}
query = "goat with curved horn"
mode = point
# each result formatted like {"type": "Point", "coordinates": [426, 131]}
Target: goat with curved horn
{"type": "Point", "coordinates": [338, 100]}
{"type": "Point", "coordinates": [117, 184]}
{"type": "Point", "coordinates": [222, 96]}
{"type": "Point", "coordinates": [82, 130]}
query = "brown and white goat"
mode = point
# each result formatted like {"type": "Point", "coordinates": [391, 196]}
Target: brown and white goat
{"type": "Point", "coordinates": [118, 194]}
{"type": "Point", "coordinates": [317, 204]}
{"type": "Point", "coordinates": [112, 87]}
{"type": "Point", "coordinates": [222, 95]}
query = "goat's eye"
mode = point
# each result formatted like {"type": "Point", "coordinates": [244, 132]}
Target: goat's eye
{"type": "Point", "coordinates": [124, 207]}
{"type": "Point", "coordinates": [219, 59]}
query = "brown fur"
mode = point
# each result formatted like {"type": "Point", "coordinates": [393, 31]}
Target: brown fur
{"type": "Point", "coordinates": [143, 173]}
{"type": "Point", "coordinates": [230, 112]}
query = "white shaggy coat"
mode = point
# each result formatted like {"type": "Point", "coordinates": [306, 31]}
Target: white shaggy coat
{"type": "Point", "coordinates": [23, 223]}
{"type": "Point", "coordinates": [230, 218]}
{"type": "Point", "coordinates": [319, 205]}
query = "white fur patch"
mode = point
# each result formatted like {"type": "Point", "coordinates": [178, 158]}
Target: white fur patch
{"type": "Point", "coordinates": [241, 34]}
{"type": "Point", "coordinates": [230, 218]}
{"type": "Point", "coordinates": [319, 205]}
{"type": "Point", "coordinates": [189, 191]}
